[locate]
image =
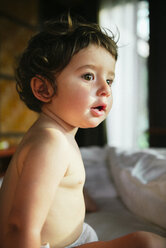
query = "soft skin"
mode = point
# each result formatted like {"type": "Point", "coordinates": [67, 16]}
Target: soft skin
{"type": "Point", "coordinates": [45, 178]}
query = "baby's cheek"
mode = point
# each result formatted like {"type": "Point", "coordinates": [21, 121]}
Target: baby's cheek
{"type": "Point", "coordinates": [110, 102]}
{"type": "Point", "coordinates": [82, 98]}
{"type": "Point", "coordinates": [78, 102]}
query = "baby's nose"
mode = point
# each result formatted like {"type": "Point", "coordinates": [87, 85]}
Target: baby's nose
{"type": "Point", "coordinates": [104, 89]}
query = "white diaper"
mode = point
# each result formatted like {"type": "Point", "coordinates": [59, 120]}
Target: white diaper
{"type": "Point", "coordinates": [88, 235]}
{"type": "Point", "coordinates": [45, 246]}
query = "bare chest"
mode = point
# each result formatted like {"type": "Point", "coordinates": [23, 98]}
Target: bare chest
{"type": "Point", "coordinates": [75, 174]}
{"type": "Point", "coordinates": [67, 212]}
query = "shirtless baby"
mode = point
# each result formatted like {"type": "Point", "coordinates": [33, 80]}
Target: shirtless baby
{"type": "Point", "coordinates": [65, 74]}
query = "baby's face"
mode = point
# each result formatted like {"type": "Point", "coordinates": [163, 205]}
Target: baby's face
{"type": "Point", "coordinates": [84, 94]}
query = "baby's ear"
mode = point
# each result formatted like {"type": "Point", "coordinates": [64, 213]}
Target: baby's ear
{"type": "Point", "coordinates": [42, 89]}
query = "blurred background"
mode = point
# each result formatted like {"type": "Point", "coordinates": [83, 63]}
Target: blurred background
{"type": "Point", "coordinates": [138, 116]}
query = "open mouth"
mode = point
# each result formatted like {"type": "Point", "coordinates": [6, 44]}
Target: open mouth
{"type": "Point", "coordinates": [100, 108]}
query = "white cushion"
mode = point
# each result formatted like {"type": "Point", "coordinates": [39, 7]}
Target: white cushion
{"type": "Point", "coordinates": [140, 178]}
{"type": "Point", "coordinates": [98, 181]}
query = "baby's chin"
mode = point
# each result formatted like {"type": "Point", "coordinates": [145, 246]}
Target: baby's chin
{"type": "Point", "coordinates": [92, 124]}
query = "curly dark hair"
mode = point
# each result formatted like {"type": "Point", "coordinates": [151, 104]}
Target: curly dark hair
{"type": "Point", "coordinates": [49, 51]}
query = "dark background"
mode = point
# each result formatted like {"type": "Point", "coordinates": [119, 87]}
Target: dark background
{"type": "Point", "coordinates": [157, 74]}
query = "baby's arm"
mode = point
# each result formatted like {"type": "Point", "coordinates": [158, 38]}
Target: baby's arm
{"type": "Point", "coordinates": [44, 166]}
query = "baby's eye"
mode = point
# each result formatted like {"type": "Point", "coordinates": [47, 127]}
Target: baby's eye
{"type": "Point", "coordinates": [109, 82]}
{"type": "Point", "coordinates": [88, 76]}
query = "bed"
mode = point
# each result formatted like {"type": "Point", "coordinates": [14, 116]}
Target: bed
{"type": "Point", "coordinates": [128, 188]}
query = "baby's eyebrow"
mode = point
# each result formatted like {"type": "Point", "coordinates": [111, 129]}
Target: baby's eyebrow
{"type": "Point", "coordinates": [86, 66]}
{"type": "Point", "coordinates": [90, 66]}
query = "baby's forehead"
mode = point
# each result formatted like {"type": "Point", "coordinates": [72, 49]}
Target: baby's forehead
{"type": "Point", "coordinates": [90, 52]}
{"type": "Point", "coordinates": [92, 56]}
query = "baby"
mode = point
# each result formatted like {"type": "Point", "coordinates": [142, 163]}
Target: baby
{"type": "Point", "coordinates": [65, 74]}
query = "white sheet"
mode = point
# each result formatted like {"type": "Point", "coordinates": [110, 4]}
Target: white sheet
{"type": "Point", "coordinates": [114, 219]}
{"type": "Point", "coordinates": [140, 178]}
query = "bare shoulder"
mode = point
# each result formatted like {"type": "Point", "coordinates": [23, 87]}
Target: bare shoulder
{"type": "Point", "coordinates": [43, 145]}
{"type": "Point", "coordinates": [49, 137]}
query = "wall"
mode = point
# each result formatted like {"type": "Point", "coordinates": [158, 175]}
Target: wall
{"type": "Point", "coordinates": [18, 22]}
{"type": "Point", "coordinates": [157, 78]}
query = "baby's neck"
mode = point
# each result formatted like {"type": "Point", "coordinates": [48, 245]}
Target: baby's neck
{"type": "Point", "coordinates": [55, 120]}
